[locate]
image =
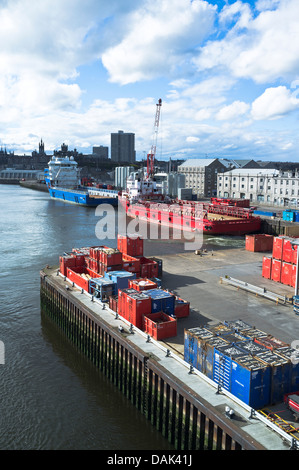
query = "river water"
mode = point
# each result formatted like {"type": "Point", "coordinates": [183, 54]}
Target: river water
{"type": "Point", "coordinates": [51, 397]}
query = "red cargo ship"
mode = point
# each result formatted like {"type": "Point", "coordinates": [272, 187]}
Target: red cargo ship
{"type": "Point", "coordinates": [144, 201]}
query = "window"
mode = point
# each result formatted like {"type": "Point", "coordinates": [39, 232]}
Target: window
{"type": "Point", "coordinates": [251, 186]}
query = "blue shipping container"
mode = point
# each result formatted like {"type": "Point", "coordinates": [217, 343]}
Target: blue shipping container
{"type": "Point", "coordinates": [288, 216]}
{"type": "Point", "coordinates": [280, 374]}
{"type": "Point", "coordinates": [193, 339]}
{"type": "Point", "coordinates": [162, 301]}
{"type": "Point", "coordinates": [205, 354]}
{"type": "Point", "coordinates": [120, 278]}
{"type": "Point", "coordinates": [251, 381]}
{"type": "Point", "coordinates": [266, 213]}
{"type": "Point", "coordinates": [222, 367]}
{"type": "Point", "coordinates": [293, 356]}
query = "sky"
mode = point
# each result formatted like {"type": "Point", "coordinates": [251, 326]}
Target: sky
{"type": "Point", "coordinates": [227, 72]}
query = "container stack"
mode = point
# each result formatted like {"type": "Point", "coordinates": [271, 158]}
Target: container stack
{"type": "Point", "coordinates": [281, 267]}
{"type": "Point", "coordinates": [259, 242]}
{"type": "Point", "coordinates": [254, 366]}
{"type": "Point", "coordinates": [103, 259]}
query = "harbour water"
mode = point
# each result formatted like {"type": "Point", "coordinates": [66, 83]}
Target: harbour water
{"type": "Point", "coordinates": [51, 397]}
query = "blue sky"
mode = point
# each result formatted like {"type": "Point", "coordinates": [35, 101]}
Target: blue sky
{"type": "Point", "coordinates": [227, 73]}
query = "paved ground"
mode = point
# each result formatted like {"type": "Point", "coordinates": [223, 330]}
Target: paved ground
{"type": "Point", "coordinates": [197, 279]}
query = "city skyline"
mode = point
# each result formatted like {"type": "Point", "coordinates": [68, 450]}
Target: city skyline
{"type": "Point", "coordinates": [227, 73]}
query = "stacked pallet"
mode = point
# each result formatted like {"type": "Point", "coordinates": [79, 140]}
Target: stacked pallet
{"type": "Point", "coordinates": [282, 266]}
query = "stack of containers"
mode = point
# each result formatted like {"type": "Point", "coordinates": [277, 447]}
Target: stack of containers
{"type": "Point", "coordinates": [103, 259]}
{"type": "Point", "coordinates": [254, 366]}
{"type": "Point", "coordinates": [120, 278]}
{"type": "Point", "coordinates": [281, 267]}
{"type": "Point", "coordinates": [161, 301]}
{"type": "Point", "coordinates": [133, 305]}
{"type": "Point", "coordinates": [133, 259]}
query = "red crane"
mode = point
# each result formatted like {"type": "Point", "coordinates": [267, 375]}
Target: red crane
{"type": "Point", "coordinates": [152, 153]}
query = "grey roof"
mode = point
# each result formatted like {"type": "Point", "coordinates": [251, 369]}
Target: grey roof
{"type": "Point", "coordinates": [198, 162]}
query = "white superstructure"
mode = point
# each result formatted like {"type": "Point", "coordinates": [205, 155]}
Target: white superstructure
{"type": "Point", "coordinates": [139, 187]}
{"type": "Point", "coordinates": [64, 172]}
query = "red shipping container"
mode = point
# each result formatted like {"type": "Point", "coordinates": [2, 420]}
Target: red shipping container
{"type": "Point", "coordinates": [270, 342]}
{"type": "Point", "coordinates": [142, 284]}
{"type": "Point", "coordinates": [259, 242]}
{"type": "Point", "coordinates": [133, 306]}
{"type": "Point", "coordinates": [288, 250]}
{"type": "Point", "coordinates": [277, 247]}
{"type": "Point", "coordinates": [131, 264]}
{"type": "Point", "coordinates": [113, 303]}
{"type": "Point", "coordinates": [74, 275]}
{"type": "Point", "coordinates": [148, 268]}
{"type": "Point", "coordinates": [276, 270]}
{"type": "Point", "coordinates": [110, 257]}
{"type": "Point", "coordinates": [181, 308]}
{"type": "Point", "coordinates": [286, 273]}
{"type": "Point", "coordinates": [66, 262]}
{"type": "Point", "coordinates": [160, 325]}
{"type": "Point", "coordinates": [266, 270]}
{"type": "Point", "coordinates": [130, 246]}
{"type": "Point", "coordinates": [293, 275]}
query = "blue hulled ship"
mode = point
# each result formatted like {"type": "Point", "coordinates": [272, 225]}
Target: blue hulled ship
{"type": "Point", "coordinates": [63, 182]}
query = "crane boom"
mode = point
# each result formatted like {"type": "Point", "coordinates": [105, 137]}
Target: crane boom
{"type": "Point", "coordinates": [152, 153]}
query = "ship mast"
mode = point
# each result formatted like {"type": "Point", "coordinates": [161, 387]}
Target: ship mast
{"type": "Point", "coordinates": [152, 153]}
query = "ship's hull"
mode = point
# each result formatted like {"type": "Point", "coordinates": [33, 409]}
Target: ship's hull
{"type": "Point", "coordinates": [80, 197]}
{"type": "Point", "coordinates": [212, 225]}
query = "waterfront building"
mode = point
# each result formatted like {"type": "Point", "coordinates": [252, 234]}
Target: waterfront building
{"type": "Point", "coordinates": [264, 185]}
{"type": "Point", "coordinates": [201, 175]}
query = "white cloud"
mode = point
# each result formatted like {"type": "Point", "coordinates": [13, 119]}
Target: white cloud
{"type": "Point", "coordinates": [233, 111]}
{"type": "Point", "coordinates": [274, 103]}
{"type": "Point", "coordinates": [266, 49]}
{"type": "Point", "coordinates": [160, 39]}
